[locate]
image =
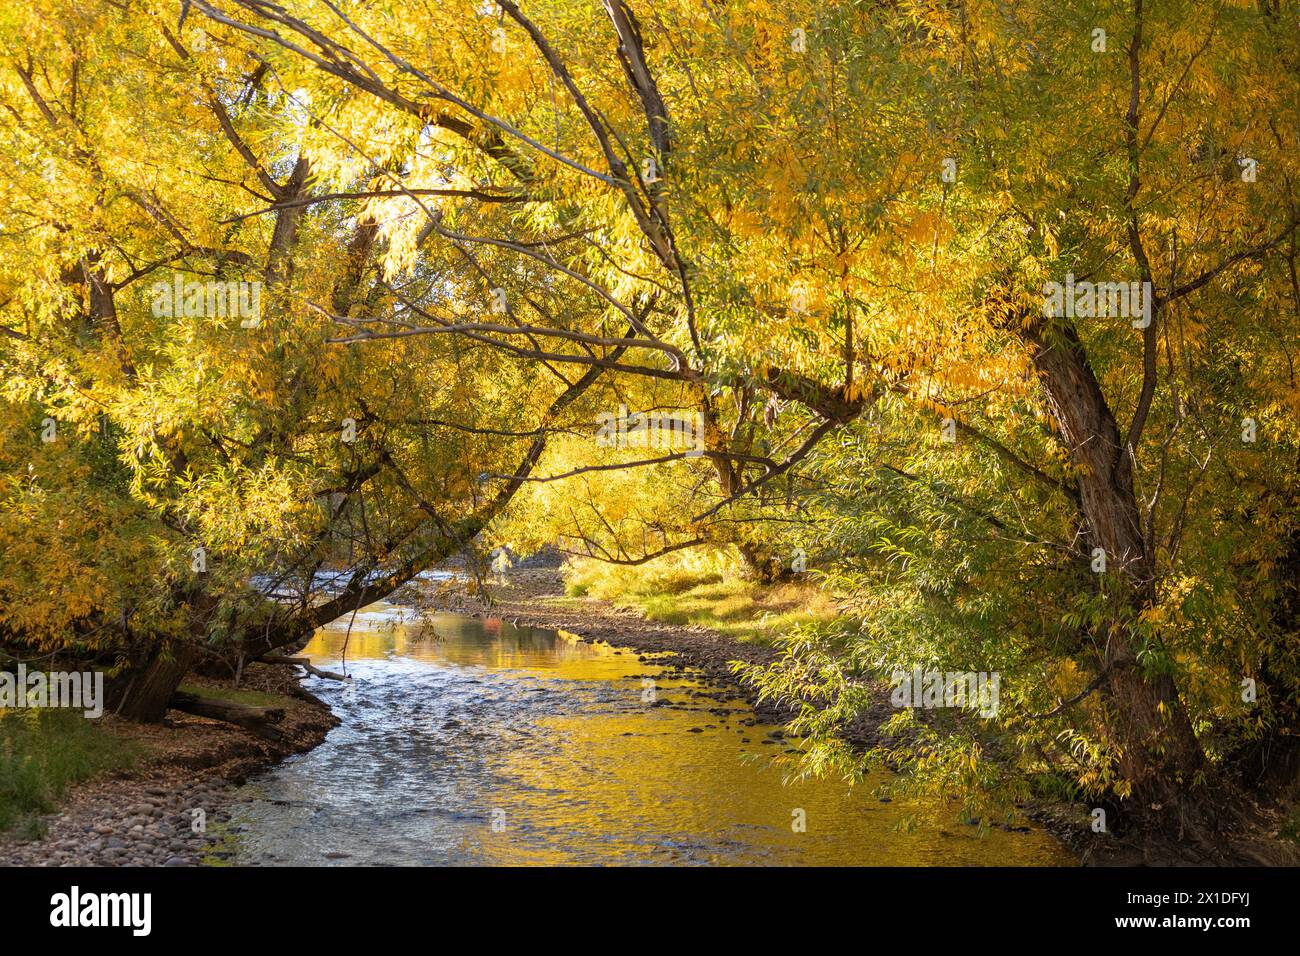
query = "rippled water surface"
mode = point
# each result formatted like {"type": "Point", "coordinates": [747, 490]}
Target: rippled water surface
{"type": "Point", "coordinates": [475, 742]}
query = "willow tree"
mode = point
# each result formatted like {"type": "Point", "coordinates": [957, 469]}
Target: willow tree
{"type": "Point", "coordinates": [1107, 513]}
{"type": "Point", "coordinates": [850, 207]}
{"type": "Point", "coordinates": [832, 231]}
{"type": "Point", "coordinates": [183, 454]}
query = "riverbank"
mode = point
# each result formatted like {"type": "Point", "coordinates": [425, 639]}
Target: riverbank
{"type": "Point", "coordinates": [144, 813]}
{"type": "Point", "coordinates": [475, 742]}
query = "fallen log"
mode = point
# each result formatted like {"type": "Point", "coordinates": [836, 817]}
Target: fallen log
{"type": "Point", "coordinates": [258, 720]}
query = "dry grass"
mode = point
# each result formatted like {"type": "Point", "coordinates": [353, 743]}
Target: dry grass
{"type": "Point", "coordinates": [706, 591]}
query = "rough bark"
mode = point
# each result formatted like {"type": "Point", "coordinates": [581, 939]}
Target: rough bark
{"type": "Point", "coordinates": [143, 692]}
{"type": "Point", "coordinates": [1159, 754]}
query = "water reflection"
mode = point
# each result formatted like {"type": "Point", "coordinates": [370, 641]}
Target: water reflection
{"type": "Point", "coordinates": [477, 742]}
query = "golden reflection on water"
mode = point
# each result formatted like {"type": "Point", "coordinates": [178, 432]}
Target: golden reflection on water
{"type": "Point", "coordinates": [617, 780]}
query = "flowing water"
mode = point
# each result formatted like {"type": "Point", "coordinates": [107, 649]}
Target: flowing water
{"type": "Point", "coordinates": [468, 742]}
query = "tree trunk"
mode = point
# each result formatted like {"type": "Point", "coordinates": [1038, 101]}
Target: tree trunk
{"type": "Point", "coordinates": [142, 693]}
{"type": "Point", "coordinates": [1158, 753]}
{"type": "Point", "coordinates": [759, 563]}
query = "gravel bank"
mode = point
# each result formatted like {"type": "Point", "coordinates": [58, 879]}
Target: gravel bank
{"type": "Point", "coordinates": [171, 809]}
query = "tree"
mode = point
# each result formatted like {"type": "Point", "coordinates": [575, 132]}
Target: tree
{"type": "Point", "coordinates": [846, 236]}
{"type": "Point", "coordinates": [178, 470]}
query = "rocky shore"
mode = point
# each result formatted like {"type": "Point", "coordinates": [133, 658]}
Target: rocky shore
{"type": "Point", "coordinates": [172, 808]}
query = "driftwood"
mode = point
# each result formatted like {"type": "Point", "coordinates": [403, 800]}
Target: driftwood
{"type": "Point", "coordinates": [303, 662]}
{"type": "Point", "coordinates": [258, 720]}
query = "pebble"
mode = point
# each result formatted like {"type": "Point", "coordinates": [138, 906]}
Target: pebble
{"type": "Point", "coordinates": [132, 824]}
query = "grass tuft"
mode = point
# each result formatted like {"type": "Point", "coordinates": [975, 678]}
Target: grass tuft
{"type": "Point", "coordinates": [43, 753]}
{"type": "Point", "coordinates": [253, 698]}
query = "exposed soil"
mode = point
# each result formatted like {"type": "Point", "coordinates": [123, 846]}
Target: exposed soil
{"type": "Point", "coordinates": [146, 816]}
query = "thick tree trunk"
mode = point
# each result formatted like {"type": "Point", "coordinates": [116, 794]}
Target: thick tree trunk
{"type": "Point", "coordinates": [143, 692]}
{"type": "Point", "coordinates": [1159, 755]}
{"type": "Point", "coordinates": [759, 563]}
